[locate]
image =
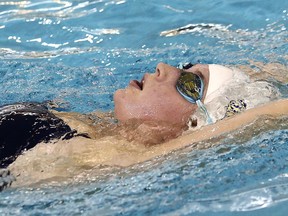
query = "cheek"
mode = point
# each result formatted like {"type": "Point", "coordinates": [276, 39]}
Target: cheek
{"type": "Point", "coordinates": [135, 108]}
{"type": "Point", "coordinates": [127, 105]}
{"type": "Point", "coordinates": [156, 104]}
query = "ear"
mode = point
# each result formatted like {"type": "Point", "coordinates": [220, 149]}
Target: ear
{"type": "Point", "coordinates": [192, 122]}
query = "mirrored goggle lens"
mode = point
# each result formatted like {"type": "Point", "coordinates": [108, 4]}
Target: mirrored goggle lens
{"type": "Point", "coordinates": [190, 85]}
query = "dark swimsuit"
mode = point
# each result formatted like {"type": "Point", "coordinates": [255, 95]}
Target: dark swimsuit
{"type": "Point", "coordinates": [23, 125]}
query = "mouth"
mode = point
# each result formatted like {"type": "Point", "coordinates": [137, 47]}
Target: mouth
{"type": "Point", "coordinates": [137, 84]}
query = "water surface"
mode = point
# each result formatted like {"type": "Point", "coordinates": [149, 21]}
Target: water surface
{"type": "Point", "coordinates": [79, 52]}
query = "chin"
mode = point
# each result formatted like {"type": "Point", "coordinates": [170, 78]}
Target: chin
{"type": "Point", "coordinates": [117, 94]}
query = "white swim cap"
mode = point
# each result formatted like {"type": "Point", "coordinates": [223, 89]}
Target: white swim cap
{"type": "Point", "coordinates": [218, 75]}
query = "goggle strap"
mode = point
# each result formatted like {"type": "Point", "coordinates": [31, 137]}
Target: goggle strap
{"type": "Point", "coordinates": [203, 108]}
{"type": "Point", "coordinates": [180, 66]}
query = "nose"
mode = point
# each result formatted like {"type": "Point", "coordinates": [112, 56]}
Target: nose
{"type": "Point", "coordinates": [164, 69]}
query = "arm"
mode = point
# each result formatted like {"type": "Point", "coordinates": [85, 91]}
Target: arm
{"type": "Point", "coordinates": [273, 109]}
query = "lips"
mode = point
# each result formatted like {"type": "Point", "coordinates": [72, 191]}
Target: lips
{"type": "Point", "coordinates": [137, 84]}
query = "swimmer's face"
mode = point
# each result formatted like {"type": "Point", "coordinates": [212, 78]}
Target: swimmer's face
{"type": "Point", "coordinates": [155, 97]}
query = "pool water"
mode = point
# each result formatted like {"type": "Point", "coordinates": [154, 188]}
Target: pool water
{"type": "Point", "coordinates": [79, 52]}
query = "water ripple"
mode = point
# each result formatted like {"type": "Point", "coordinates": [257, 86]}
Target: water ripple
{"type": "Point", "coordinates": [249, 200]}
{"type": "Point", "coordinates": [55, 9]}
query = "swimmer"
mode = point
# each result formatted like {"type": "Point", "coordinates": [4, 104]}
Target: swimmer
{"type": "Point", "coordinates": [168, 102]}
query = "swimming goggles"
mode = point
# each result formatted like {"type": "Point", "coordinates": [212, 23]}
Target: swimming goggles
{"type": "Point", "coordinates": [191, 87]}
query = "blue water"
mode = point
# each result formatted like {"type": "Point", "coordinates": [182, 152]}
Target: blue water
{"type": "Point", "coordinates": [79, 52]}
